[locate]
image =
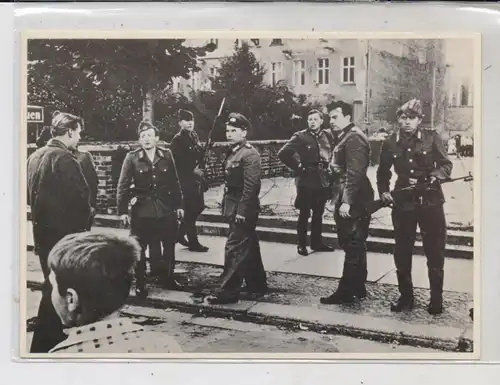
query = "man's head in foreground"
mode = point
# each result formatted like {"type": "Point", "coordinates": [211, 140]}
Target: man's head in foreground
{"type": "Point", "coordinates": [91, 275]}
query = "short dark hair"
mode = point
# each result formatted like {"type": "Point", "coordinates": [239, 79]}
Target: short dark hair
{"type": "Point", "coordinates": [316, 111]}
{"type": "Point", "coordinates": [145, 125]}
{"type": "Point", "coordinates": [62, 122]}
{"type": "Point", "coordinates": [346, 108]}
{"type": "Point", "coordinates": [99, 267]}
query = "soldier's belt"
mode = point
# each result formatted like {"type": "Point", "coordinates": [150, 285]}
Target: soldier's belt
{"type": "Point", "coordinates": [318, 165]}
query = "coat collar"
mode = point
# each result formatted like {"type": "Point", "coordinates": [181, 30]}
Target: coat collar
{"type": "Point", "coordinates": [345, 130]}
{"type": "Point", "coordinates": [315, 134]}
{"type": "Point", "coordinates": [158, 154]}
{"type": "Point", "coordinates": [417, 134]}
{"type": "Point", "coordinates": [57, 143]}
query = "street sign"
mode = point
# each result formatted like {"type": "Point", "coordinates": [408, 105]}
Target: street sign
{"type": "Point", "coordinates": [35, 114]}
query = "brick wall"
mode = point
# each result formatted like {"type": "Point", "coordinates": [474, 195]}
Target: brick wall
{"type": "Point", "coordinates": [109, 157]}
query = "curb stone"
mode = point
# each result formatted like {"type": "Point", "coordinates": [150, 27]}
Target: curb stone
{"type": "Point", "coordinates": [306, 318]}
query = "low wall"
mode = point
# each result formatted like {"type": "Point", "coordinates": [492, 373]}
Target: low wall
{"type": "Point", "coordinates": [109, 158]}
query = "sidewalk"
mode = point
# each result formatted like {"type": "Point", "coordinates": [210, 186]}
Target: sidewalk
{"type": "Point", "coordinates": [283, 258]}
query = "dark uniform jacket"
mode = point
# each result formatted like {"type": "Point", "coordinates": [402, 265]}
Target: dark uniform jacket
{"type": "Point", "coordinates": [86, 162]}
{"type": "Point", "coordinates": [57, 192]}
{"type": "Point", "coordinates": [156, 192]}
{"type": "Point", "coordinates": [419, 157]}
{"type": "Point", "coordinates": [242, 173]}
{"type": "Point", "coordinates": [188, 153]}
{"type": "Point", "coordinates": [350, 162]}
{"type": "Point", "coordinates": [308, 155]}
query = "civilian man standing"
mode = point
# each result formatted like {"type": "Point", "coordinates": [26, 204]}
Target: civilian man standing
{"type": "Point", "coordinates": [308, 153]}
{"type": "Point", "coordinates": [156, 205]}
{"type": "Point", "coordinates": [349, 165]}
{"type": "Point", "coordinates": [59, 198]}
{"type": "Point", "coordinates": [418, 157]}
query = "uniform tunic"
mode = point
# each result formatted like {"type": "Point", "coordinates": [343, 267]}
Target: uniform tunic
{"type": "Point", "coordinates": [243, 260]}
{"type": "Point", "coordinates": [416, 158]}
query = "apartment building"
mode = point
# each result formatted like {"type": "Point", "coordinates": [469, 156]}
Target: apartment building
{"type": "Point", "coordinates": [375, 75]}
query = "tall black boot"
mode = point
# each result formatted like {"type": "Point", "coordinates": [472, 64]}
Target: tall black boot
{"type": "Point", "coordinates": [406, 300]}
{"type": "Point", "coordinates": [345, 291]}
{"type": "Point", "coordinates": [436, 278]}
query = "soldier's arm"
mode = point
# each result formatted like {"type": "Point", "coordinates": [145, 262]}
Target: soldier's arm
{"type": "Point", "coordinates": [357, 161]}
{"type": "Point", "coordinates": [443, 162]}
{"type": "Point", "coordinates": [75, 187]}
{"type": "Point", "coordinates": [251, 182]}
{"type": "Point", "coordinates": [177, 198]}
{"type": "Point", "coordinates": [289, 153]}
{"type": "Point", "coordinates": [384, 173]}
{"type": "Point", "coordinates": [124, 182]}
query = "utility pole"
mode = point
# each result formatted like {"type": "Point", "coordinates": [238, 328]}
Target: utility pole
{"type": "Point", "coordinates": [433, 104]}
{"type": "Point", "coordinates": [367, 79]}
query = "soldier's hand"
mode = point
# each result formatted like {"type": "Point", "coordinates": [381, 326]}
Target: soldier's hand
{"type": "Point", "coordinates": [199, 172]}
{"type": "Point", "coordinates": [239, 218]}
{"type": "Point", "coordinates": [92, 212]}
{"type": "Point", "coordinates": [125, 219]}
{"type": "Point", "coordinates": [433, 180]}
{"type": "Point", "coordinates": [344, 210]}
{"type": "Point", "coordinates": [387, 199]}
{"type": "Point", "coordinates": [180, 214]}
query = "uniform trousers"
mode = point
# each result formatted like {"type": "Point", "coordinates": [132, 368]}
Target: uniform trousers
{"type": "Point", "coordinates": [194, 207]}
{"type": "Point", "coordinates": [243, 259]}
{"type": "Point", "coordinates": [311, 199]}
{"type": "Point", "coordinates": [153, 231]}
{"type": "Point", "coordinates": [432, 223]}
{"type": "Point", "coordinates": [352, 234]}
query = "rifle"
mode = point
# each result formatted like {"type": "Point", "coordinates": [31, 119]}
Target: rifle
{"type": "Point", "coordinates": [209, 144]}
{"type": "Point", "coordinates": [377, 204]}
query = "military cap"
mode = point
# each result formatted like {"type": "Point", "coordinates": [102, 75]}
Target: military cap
{"type": "Point", "coordinates": [411, 108]}
{"type": "Point", "coordinates": [146, 125]}
{"type": "Point", "coordinates": [238, 120]}
{"type": "Point", "coordinates": [185, 115]}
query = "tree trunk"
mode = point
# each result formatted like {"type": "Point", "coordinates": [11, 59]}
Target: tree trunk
{"type": "Point", "coordinates": [148, 105]}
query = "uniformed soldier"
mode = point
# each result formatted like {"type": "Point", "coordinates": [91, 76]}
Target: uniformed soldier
{"type": "Point", "coordinates": [240, 207]}
{"type": "Point", "coordinates": [349, 166]}
{"type": "Point", "coordinates": [188, 153]}
{"type": "Point", "coordinates": [418, 156]}
{"type": "Point", "coordinates": [156, 204]}
{"type": "Point", "coordinates": [308, 154]}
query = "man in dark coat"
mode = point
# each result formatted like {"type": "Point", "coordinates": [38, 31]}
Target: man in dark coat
{"type": "Point", "coordinates": [60, 205]}
{"type": "Point", "coordinates": [155, 205]}
{"type": "Point", "coordinates": [349, 165]}
{"type": "Point", "coordinates": [188, 153]}
{"type": "Point", "coordinates": [308, 154]}
{"type": "Point", "coordinates": [240, 207]}
{"type": "Point", "coordinates": [418, 157]}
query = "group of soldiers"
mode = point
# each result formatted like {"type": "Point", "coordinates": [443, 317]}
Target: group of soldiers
{"type": "Point", "coordinates": [160, 194]}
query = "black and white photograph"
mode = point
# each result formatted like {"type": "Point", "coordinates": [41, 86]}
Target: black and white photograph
{"type": "Point", "coordinates": [230, 196]}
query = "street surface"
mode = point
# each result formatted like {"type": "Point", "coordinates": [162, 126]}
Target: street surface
{"type": "Point", "coordinates": [197, 334]}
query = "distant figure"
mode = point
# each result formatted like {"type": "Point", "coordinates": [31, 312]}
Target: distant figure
{"type": "Point", "coordinates": [91, 276]}
{"type": "Point", "coordinates": [308, 154]}
{"type": "Point", "coordinates": [188, 154]}
{"type": "Point", "coordinates": [59, 197]}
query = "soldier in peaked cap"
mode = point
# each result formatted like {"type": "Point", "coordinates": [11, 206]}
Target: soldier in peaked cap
{"type": "Point", "coordinates": [240, 207]}
{"type": "Point", "coordinates": [156, 204]}
{"type": "Point", "coordinates": [188, 153]}
{"type": "Point", "coordinates": [418, 156]}
{"type": "Point", "coordinates": [308, 153]}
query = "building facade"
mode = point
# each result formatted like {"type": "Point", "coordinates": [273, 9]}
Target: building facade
{"type": "Point", "coordinates": [376, 76]}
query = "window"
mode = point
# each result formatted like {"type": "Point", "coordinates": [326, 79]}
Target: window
{"type": "Point", "coordinates": [299, 72]}
{"type": "Point", "coordinates": [214, 72]}
{"type": "Point", "coordinates": [276, 42]}
{"type": "Point", "coordinates": [348, 70]}
{"type": "Point", "coordinates": [276, 72]}
{"type": "Point", "coordinates": [323, 71]}
{"type": "Point", "coordinates": [195, 81]}
{"type": "Point", "coordinates": [215, 41]}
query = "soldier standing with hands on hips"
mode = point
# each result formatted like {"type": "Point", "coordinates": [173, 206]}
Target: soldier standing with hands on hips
{"type": "Point", "coordinates": [156, 205]}
{"type": "Point", "coordinates": [418, 157]}
{"type": "Point", "coordinates": [188, 153]}
{"type": "Point", "coordinates": [349, 165]}
{"type": "Point", "coordinates": [308, 154]}
{"type": "Point", "coordinates": [240, 207]}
